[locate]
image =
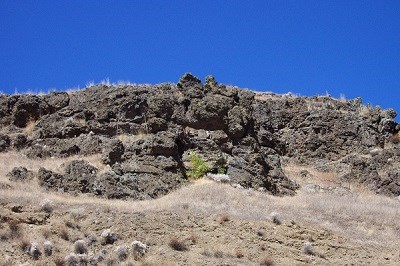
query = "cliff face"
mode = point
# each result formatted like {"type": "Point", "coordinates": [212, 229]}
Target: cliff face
{"type": "Point", "coordinates": [146, 134]}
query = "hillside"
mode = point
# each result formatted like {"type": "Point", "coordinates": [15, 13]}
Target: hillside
{"type": "Point", "coordinates": [122, 157]}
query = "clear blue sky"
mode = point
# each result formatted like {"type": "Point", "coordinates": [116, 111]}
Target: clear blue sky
{"type": "Point", "coordinates": [306, 47]}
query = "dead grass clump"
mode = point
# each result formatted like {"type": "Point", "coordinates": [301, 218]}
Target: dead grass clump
{"type": "Point", "coordinates": [178, 244]}
{"type": "Point", "coordinates": [239, 253]}
{"type": "Point", "coordinates": [206, 253]}
{"type": "Point", "coordinates": [395, 138]}
{"type": "Point", "coordinates": [260, 232]}
{"type": "Point", "coordinates": [276, 218]}
{"type": "Point", "coordinates": [4, 236]}
{"type": "Point", "coordinates": [72, 225]}
{"type": "Point", "coordinates": [77, 214]}
{"type": "Point", "coordinates": [139, 249]}
{"type": "Point", "coordinates": [218, 254]}
{"type": "Point", "coordinates": [30, 127]}
{"type": "Point", "coordinates": [267, 261]}
{"type": "Point", "coordinates": [64, 233]}
{"type": "Point", "coordinates": [71, 259]}
{"type": "Point", "coordinates": [108, 237]}
{"type": "Point", "coordinates": [48, 248]}
{"type": "Point", "coordinates": [308, 248]}
{"type": "Point", "coordinates": [111, 262]}
{"type": "Point", "coordinates": [47, 205]}
{"type": "Point", "coordinates": [58, 261]}
{"type": "Point", "coordinates": [15, 229]}
{"type": "Point", "coordinates": [223, 218]}
{"type": "Point", "coordinates": [193, 238]}
{"type": "Point", "coordinates": [80, 247]}
{"type": "Point", "coordinates": [46, 233]}
{"type": "Point", "coordinates": [34, 250]}
{"type": "Point", "coordinates": [24, 245]}
{"type": "Point", "coordinates": [122, 253]}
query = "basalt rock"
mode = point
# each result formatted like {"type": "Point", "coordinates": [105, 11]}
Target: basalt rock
{"type": "Point", "coordinates": [20, 174]}
{"type": "Point", "coordinates": [145, 134]}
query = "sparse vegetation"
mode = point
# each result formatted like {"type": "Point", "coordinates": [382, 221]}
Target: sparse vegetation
{"type": "Point", "coordinates": [46, 233]}
{"type": "Point", "coordinates": [71, 259]}
{"type": "Point", "coordinates": [30, 127]}
{"type": "Point", "coordinates": [198, 166]}
{"type": "Point", "coordinates": [207, 201]}
{"type": "Point", "coordinates": [260, 232]}
{"type": "Point", "coordinates": [47, 205]}
{"type": "Point", "coordinates": [80, 247]}
{"type": "Point", "coordinates": [58, 261]}
{"type": "Point", "coordinates": [193, 238]}
{"type": "Point", "coordinates": [395, 138]}
{"type": "Point", "coordinates": [77, 214]}
{"type": "Point", "coordinates": [223, 218]}
{"type": "Point", "coordinates": [34, 250]}
{"type": "Point", "coordinates": [177, 244]}
{"type": "Point", "coordinates": [138, 249]}
{"type": "Point", "coordinates": [24, 245]}
{"type": "Point", "coordinates": [108, 237]}
{"type": "Point", "coordinates": [15, 229]}
{"type": "Point", "coordinates": [48, 248]}
{"type": "Point", "coordinates": [267, 261]}
{"type": "Point", "coordinates": [308, 248]}
{"type": "Point", "coordinates": [63, 231]}
{"type": "Point", "coordinates": [221, 170]}
{"type": "Point", "coordinates": [239, 253]}
{"type": "Point", "coordinates": [218, 254]}
{"type": "Point", "coordinates": [276, 218]}
{"type": "Point", "coordinates": [122, 253]}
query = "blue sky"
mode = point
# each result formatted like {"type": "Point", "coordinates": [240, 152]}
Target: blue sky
{"type": "Point", "coordinates": [305, 47]}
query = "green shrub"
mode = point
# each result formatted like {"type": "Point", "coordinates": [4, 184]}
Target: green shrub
{"type": "Point", "coordinates": [199, 166]}
{"type": "Point", "coordinates": [222, 170]}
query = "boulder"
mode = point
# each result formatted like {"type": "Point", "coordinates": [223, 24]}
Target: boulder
{"type": "Point", "coordinates": [20, 174]}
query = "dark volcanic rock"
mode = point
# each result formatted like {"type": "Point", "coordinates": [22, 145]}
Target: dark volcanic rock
{"type": "Point", "coordinates": [145, 135]}
{"type": "Point", "coordinates": [20, 174]}
{"type": "Point", "coordinates": [19, 141]}
{"type": "Point", "coordinates": [113, 151]}
{"type": "Point", "coordinates": [78, 176]}
{"type": "Point", "coordinates": [4, 142]}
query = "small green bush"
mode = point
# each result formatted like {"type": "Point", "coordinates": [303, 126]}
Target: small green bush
{"type": "Point", "coordinates": [222, 170]}
{"type": "Point", "coordinates": [199, 166]}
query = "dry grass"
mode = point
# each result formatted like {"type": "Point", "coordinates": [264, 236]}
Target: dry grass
{"type": "Point", "coordinates": [30, 127]}
{"type": "Point", "coordinates": [63, 232]}
{"type": "Point", "coordinates": [177, 244]}
{"type": "Point", "coordinates": [24, 245]}
{"type": "Point", "coordinates": [239, 253]}
{"type": "Point", "coordinates": [223, 218]}
{"type": "Point", "coordinates": [395, 138]}
{"type": "Point", "coordinates": [15, 229]}
{"type": "Point", "coordinates": [364, 217]}
{"type": "Point", "coordinates": [267, 261]}
{"type": "Point", "coordinates": [193, 238]}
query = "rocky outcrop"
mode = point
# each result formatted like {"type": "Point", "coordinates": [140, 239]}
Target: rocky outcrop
{"type": "Point", "coordinates": [145, 135]}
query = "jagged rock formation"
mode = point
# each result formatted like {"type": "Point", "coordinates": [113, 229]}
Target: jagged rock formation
{"type": "Point", "coordinates": [145, 134]}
